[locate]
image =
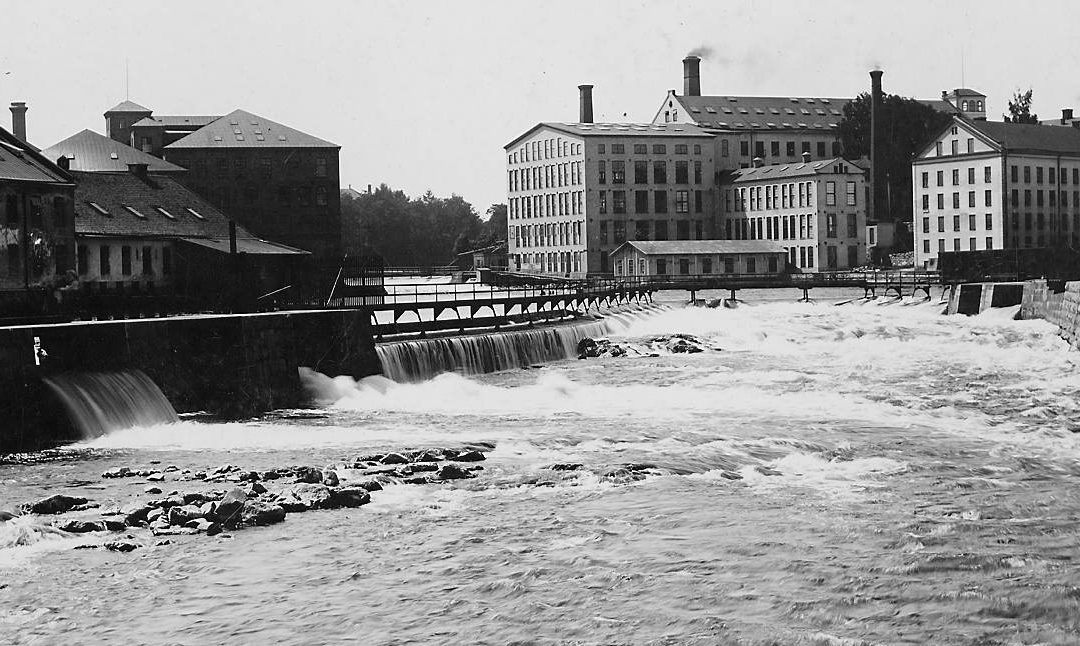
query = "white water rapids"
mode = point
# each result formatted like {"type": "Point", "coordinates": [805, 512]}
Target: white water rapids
{"type": "Point", "coordinates": [864, 474]}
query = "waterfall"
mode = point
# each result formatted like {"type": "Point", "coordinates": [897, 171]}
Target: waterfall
{"type": "Point", "coordinates": [100, 402]}
{"type": "Point", "coordinates": [420, 359]}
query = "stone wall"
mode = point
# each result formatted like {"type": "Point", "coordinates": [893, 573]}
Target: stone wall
{"type": "Point", "coordinates": [1057, 302]}
{"type": "Point", "coordinates": [232, 366]}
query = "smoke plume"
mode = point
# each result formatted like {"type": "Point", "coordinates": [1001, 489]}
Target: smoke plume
{"type": "Point", "coordinates": [701, 51]}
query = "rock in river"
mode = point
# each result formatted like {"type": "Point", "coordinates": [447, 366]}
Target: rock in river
{"type": "Point", "coordinates": [57, 504]}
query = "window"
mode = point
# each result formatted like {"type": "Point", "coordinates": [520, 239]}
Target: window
{"type": "Point", "coordinates": [661, 230]}
{"type": "Point", "coordinates": [830, 193]}
{"type": "Point", "coordinates": [971, 175]}
{"type": "Point", "coordinates": [697, 172]}
{"type": "Point", "coordinates": [956, 200]}
{"type": "Point", "coordinates": [618, 172]}
{"type": "Point", "coordinates": [682, 230]}
{"type": "Point", "coordinates": [759, 149]}
{"type": "Point", "coordinates": [698, 206]}
{"type": "Point", "coordinates": [1027, 174]}
{"type": "Point", "coordinates": [971, 199]}
{"type": "Point", "coordinates": [147, 261]}
{"type": "Point", "coordinates": [956, 177]}
{"type": "Point", "coordinates": [926, 246]}
{"type": "Point", "coordinates": [601, 172]}
{"type": "Point", "coordinates": [641, 203]}
{"type": "Point", "coordinates": [941, 178]}
{"type": "Point", "coordinates": [989, 243]}
{"type": "Point", "coordinates": [926, 225]}
{"type": "Point", "coordinates": [830, 225]}
{"type": "Point", "coordinates": [682, 201]}
{"type": "Point", "coordinates": [986, 174]}
{"type": "Point", "coordinates": [600, 148]}
{"type": "Point", "coordinates": [774, 149]}
{"type": "Point", "coordinates": [806, 146]}
{"type": "Point", "coordinates": [682, 172]}
{"type": "Point", "coordinates": [956, 244]}
{"type": "Point", "coordinates": [661, 266]}
{"type": "Point", "coordinates": [925, 179]}
{"type": "Point", "coordinates": [744, 148]}
{"type": "Point", "coordinates": [659, 172]}
{"type": "Point", "coordinates": [618, 149]}
{"type": "Point", "coordinates": [941, 200]}
{"type": "Point", "coordinates": [618, 201]}
{"type": "Point", "coordinates": [104, 260]}
{"type": "Point", "coordinates": [851, 193]}
{"type": "Point", "coordinates": [937, 149]}
{"type": "Point", "coordinates": [641, 229]}
{"type": "Point", "coordinates": [125, 260]}
{"type": "Point", "coordinates": [620, 231]}
{"type": "Point", "coordinates": [641, 149]}
{"type": "Point", "coordinates": [681, 149]}
{"type": "Point", "coordinates": [751, 265]}
{"type": "Point", "coordinates": [660, 202]}
{"type": "Point", "coordinates": [989, 223]}
{"type": "Point", "coordinates": [821, 149]}
{"type": "Point", "coordinates": [706, 265]}
{"type": "Point", "coordinates": [971, 222]}
{"type": "Point", "coordinates": [723, 147]}
{"type": "Point", "coordinates": [956, 223]}
{"type": "Point", "coordinates": [941, 224]}
{"type": "Point", "coordinates": [954, 146]}
{"type": "Point", "coordinates": [988, 197]}
{"type": "Point", "coordinates": [925, 202]}
{"type": "Point", "coordinates": [603, 201]}
{"type": "Point", "coordinates": [641, 172]}
{"type": "Point", "coordinates": [1038, 175]}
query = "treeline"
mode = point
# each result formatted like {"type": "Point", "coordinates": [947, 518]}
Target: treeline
{"type": "Point", "coordinates": [423, 231]}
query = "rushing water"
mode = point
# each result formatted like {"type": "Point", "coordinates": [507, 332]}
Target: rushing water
{"type": "Point", "coordinates": [864, 474]}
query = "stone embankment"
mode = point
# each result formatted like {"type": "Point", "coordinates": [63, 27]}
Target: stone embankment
{"type": "Point", "coordinates": [1056, 302]}
{"type": "Point", "coordinates": [243, 498]}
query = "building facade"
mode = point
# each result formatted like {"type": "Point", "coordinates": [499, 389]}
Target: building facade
{"type": "Point", "coordinates": [576, 191]}
{"type": "Point", "coordinates": [983, 185]}
{"type": "Point", "coordinates": [816, 210]}
{"type": "Point", "coordinates": [278, 182]}
{"type": "Point", "coordinates": [698, 258]}
{"type": "Point", "coordinates": [37, 224]}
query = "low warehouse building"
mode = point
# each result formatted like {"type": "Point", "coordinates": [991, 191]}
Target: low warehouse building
{"type": "Point", "coordinates": [698, 257]}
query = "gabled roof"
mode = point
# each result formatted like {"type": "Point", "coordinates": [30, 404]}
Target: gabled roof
{"type": "Point", "coordinates": [176, 121]}
{"type": "Point", "coordinates": [617, 130]}
{"type": "Point", "coordinates": [692, 247]}
{"type": "Point", "coordinates": [19, 161]}
{"type": "Point", "coordinates": [127, 106]}
{"type": "Point", "coordinates": [241, 129]}
{"type": "Point", "coordinates": [796, 169]}
{"type": "Point", "coordinates": [773, 113]}
{"type": "Point", "coordinates": [1023, 137]}
{"type": "Point", "coordinates": [116, 191]}
{"type": "Point", "coordinates": [91, 152]}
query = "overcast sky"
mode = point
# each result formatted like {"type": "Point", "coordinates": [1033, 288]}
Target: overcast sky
{"type": "Point", "coordinates": [423, 95]}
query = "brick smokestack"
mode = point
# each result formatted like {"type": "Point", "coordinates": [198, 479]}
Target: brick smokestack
{"type": "Point", "coordinates": [875, 167]}
{"type": "Point", "coordinates": [585, 113]}
{"type": "Point", "coordinates": [691, 72]}
{"type": "Point", "coordinates": [18, 119]}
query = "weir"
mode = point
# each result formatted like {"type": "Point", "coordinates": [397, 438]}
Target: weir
{"type": "Point", "coordinates": [97, 403]}
{"type": "Point", "coordinates": [420, 359]}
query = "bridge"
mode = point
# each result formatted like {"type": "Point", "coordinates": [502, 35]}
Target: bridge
{"type": "Point", "coordinates": [898, 282]}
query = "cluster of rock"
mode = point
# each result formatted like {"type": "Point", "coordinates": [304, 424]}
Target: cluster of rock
{"type": "Point", "coordinates": [589, 348]}
{"type": "Point", "coordinates": [257, 498]}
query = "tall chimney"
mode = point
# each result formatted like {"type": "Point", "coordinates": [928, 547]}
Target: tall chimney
{"type": "Point", "coordinates": [585, 115]}
{"type": "Point", "coordinates": [139, 170]}
{"type": "Point", "coordinates": [691, 73]}
{"type": "Point", "coordinates": [18, 119]}
{"type": "Point", "coordinates": [1066, 115]}
{"type": "Point", "coordinates": [875, 168]}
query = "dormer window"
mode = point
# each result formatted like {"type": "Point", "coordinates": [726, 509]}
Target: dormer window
{"type": "Point", "coordinates": [195, 213]}
{"type": "Point", "coordinates": [133, 211]}
{"type": "Point", "coordinates": [161, 210]}
{"type": "Point", "coordinates": [97, 207]}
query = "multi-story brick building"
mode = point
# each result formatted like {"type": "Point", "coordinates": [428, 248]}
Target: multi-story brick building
{"type": "Point", "coordinates": [576, 191]}
{"type": "Point", "coordinates": [37, 225]}
{"type": "Point", "coordinates": [982, 185]}
{"type": "Point", "coordinates": [278, 182]}
{"type": "Point", "coordinates": [815, 209]}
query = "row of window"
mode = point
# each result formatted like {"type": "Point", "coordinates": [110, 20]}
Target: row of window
{"type": "Point", "coordinates": [35, 215]}
{"type": "Point", "coordinates": [104, 253]}
{"type": "Point", "coordinates": [551, 234]}
{"type": "Point", "coordinates": [648, 230]}
{"type": "Point", "coordinates": [538, 206]}
{"type": "Point", "coordinates": [643, 149]}
{"type": "Point", "coordinates": [776, 196]}
{"type": "Point", "coordinates": [687, 266]}
{"type": "Point", "coordinates": [544, 149]}
{"type": "Point", "coordinates": [557, 262]}
{"type": "Point", "coordinates": [659, 201]}
{"type": "Point", "coordinates": [641, 172]}
{"type": "Point", "coordinates": [988, 199]}
{"type": "Point", "coordinates": [987, 176]}
{"type": "Point", "coordinates": [972, 245]}
{"type": "Point", "coordinates": [1053, 197]}
{"type": "Point", "coordinates": [787, 227]}
{"type": "Point", "coordinates": [954, 145]}
{"type": "Point", "coordinates": [1060, 175]}
{"type": "Point", "coordinates": [774, 148]}
{"type": "Point", "coordinates": [972, 219]}
{"type": "Point", "coordinates": [546, 176]}
{"type": "Point", "coordinates": [264, 166]}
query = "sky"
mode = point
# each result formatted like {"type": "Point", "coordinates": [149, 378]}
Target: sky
{"type": "Point", "coordinates": [423, 95]}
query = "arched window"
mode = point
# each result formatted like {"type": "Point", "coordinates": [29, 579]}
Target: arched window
{"type": "Point", "coordinates": [964, 106]}
{"type": "Point", "coordinates": [979, 106]}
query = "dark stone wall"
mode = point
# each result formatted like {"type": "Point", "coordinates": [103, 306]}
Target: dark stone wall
{"type": "Point", "coordinates": [231, 366]}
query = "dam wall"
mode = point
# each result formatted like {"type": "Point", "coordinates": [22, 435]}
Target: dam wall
{"type": "Point", "coordinates": [975, 298]}
{"type": "Point", "coordinates": [231, 366]}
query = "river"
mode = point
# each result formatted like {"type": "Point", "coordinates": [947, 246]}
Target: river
{"type": "Point", "coordinates": [823, 475]}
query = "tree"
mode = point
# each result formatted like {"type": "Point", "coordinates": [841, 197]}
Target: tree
{"type": "Point", "coordinates": [904, 127]}
{"type": "Point", "coordinates": [420, 231]}
{"type": "Point", "coordinates": [1020, 109]}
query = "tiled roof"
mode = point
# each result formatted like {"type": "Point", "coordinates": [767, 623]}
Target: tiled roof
{"type": "Point", "coordinates": [691, 247]}
{"type": "Point", "coordinates": [128, 106]}
{"type": "Point", "coordinates": [240, 129]}
{"type": "Point", "coordinates": [89, 151]}
{"type": "Point", "coordinates": [176, 121]}
{"type": "Point", "coordinates": [19, 161]}
{"type": "Point", "coordinates": [773, 112]}
{"type": "Point", "coordinates": [1017, 137]}
{"type": "Point", "coordinates": [795, 169]}
{"type": "Point", "coordinates": [617, 130]}
{"type": "Point", "coordinates": [114, 192]}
